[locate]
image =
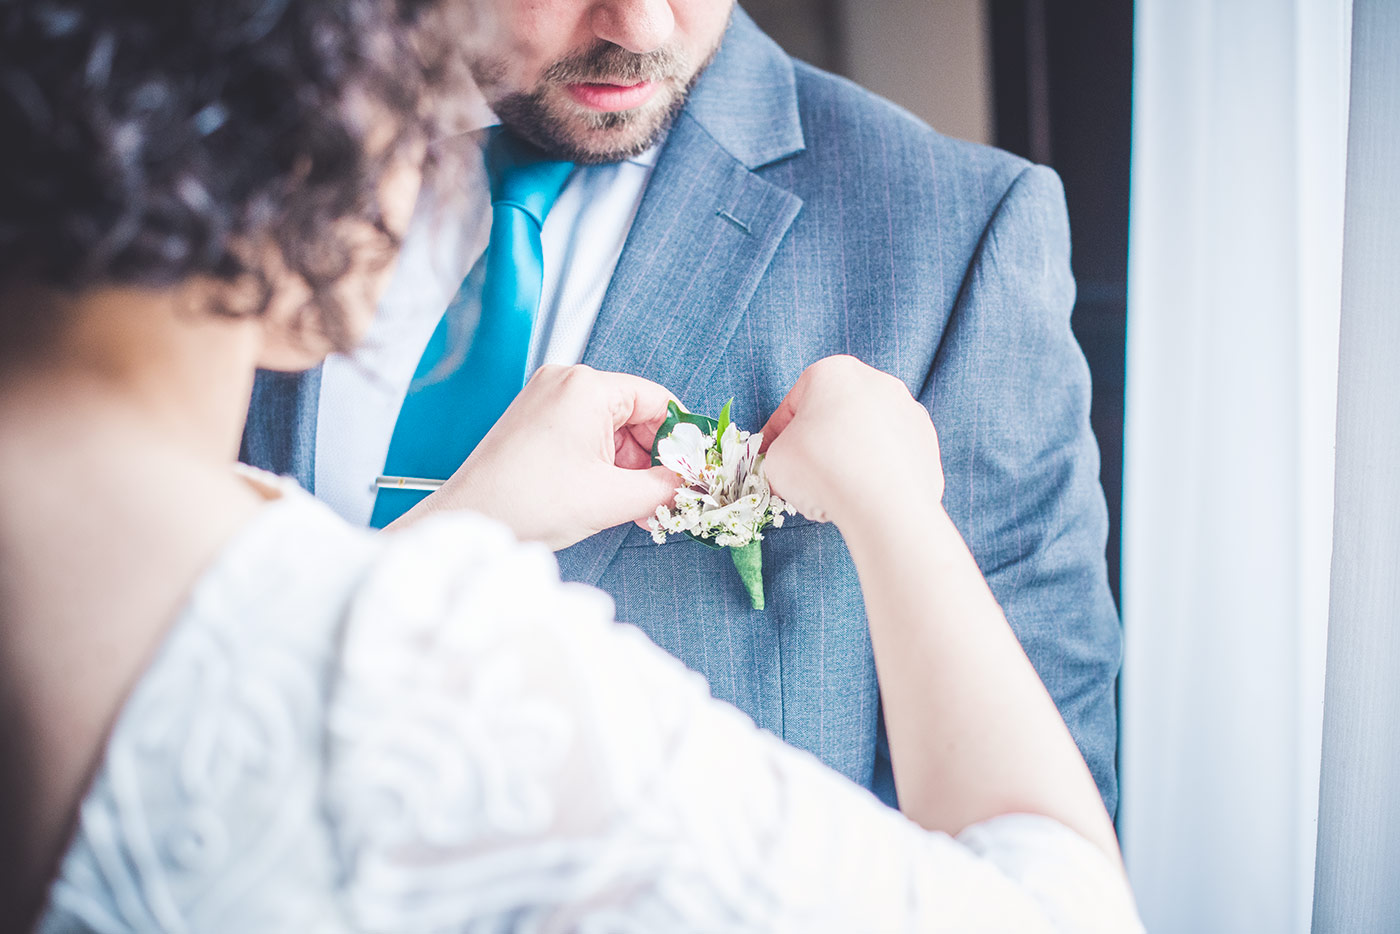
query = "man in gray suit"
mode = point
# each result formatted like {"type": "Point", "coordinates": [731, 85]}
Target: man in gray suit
{"type": "Point", "coordinates": [729, 222]}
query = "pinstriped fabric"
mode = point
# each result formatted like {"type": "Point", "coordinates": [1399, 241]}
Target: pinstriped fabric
{"type": "Point", "coordinates": [938, 261]}
{"type": "Point", "coordinates": [792, 216]}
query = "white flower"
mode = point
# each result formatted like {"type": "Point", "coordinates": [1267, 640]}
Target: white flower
{"type": "Point", "coordinates": [658, 524]}
{"type": "Point", "coordinates": [724, 497]}
{"type": "Point", "coordinates": [684, 451]}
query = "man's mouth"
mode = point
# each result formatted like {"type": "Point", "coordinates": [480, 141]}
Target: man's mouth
{"type": "Point", "coordinates": [612, 97]}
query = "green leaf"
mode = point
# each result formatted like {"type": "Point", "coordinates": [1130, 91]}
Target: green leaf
{"type": "Point", "coordinates": [723, 423]}
{"type": "Point", "coordinates": [674, 417]}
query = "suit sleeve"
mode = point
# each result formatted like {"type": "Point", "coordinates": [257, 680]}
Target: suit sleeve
{"type": "Point", "coordinates": [1009, 393]}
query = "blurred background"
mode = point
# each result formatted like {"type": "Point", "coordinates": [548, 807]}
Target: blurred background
{"type": "Point", "coordinates": [1231, 172]}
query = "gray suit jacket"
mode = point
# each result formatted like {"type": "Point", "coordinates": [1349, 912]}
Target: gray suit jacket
{"type": "Point", "coordinates": [791, 216]}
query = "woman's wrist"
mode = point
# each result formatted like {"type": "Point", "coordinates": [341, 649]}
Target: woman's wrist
{"type": "Point", "coordinates": [878, 524]}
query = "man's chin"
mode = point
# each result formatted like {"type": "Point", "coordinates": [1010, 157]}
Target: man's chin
{"type": "Point", "coordinates": [568, 130]}
{"type": "Point", "coordinates": [600, 146]}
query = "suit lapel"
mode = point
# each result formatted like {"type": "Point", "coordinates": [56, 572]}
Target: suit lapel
{"type": "Point", "coordinates": [704, 235]}
{"type": "Point", "coordinates": [703, 238]}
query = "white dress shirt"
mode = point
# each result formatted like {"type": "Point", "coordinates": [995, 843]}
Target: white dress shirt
{"type": "Point", "coordinates": [361, 393]}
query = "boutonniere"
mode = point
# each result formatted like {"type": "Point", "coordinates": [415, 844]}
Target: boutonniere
{"type": "Point", "coordinates": [723, 498]}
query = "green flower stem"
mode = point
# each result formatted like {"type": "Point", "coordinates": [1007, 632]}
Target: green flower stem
{"type": "Point", "coordinates": [749, 562]}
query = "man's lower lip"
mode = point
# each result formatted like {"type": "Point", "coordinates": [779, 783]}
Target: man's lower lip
{"type": "Point", "coordinates": [611, 96]}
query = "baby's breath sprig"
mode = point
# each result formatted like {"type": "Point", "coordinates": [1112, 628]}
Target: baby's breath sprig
{"type": "Point", "coordinates": [723, 499]}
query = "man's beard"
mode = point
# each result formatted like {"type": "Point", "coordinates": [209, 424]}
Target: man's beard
{"type": "Point", "coordinates": [570, 131]}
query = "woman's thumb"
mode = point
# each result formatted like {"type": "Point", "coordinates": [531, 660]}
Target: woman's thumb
{"type": "Point", "coordinates": [634, 494]}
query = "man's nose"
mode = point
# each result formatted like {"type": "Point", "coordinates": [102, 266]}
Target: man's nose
{"type": "Point", "coordinates": [636, 25]}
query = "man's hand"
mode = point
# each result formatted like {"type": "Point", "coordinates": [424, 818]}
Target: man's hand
{"type": "Point", "coordinates": [569, 458]}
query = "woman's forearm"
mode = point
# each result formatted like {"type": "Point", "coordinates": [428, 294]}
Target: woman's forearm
{"type": "Point", "coordinates": [973, 732]}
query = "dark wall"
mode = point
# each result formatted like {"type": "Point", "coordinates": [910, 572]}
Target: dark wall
{"type": "Point", "coordinates": [808, 29]}
{"type": "Point", "coordinates": [1062, 79]}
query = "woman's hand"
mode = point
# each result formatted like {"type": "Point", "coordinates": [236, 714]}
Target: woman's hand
{"type": "Point", "coordinates": [850, 444]}
{"type": "Point", "coordinates": [973, 733]}
{"type": "Point", "coordinates": [569, 458]}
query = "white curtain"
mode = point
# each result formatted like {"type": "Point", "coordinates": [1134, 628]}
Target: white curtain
{"type": "Point", "coordinates": [1238, 180]}
{"type": "Point", "coordinates": [1358, 847]}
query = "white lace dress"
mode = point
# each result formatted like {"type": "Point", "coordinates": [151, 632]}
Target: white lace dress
{"type": "Point", "coordinates": [427, 731]}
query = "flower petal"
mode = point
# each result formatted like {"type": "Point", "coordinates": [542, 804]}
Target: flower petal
{"type": "Point", "coordinates": [683, 451]}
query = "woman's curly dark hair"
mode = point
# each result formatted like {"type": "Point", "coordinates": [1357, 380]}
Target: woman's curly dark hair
{"type": "Point", "coordinates": [146, 142]}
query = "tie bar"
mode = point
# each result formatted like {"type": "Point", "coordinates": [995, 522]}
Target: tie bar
{"type": "Point", "coordinates": [406, 483]}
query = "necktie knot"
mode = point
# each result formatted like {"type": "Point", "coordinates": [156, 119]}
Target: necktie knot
{"type": "Point", "coordinates": [523, 176]}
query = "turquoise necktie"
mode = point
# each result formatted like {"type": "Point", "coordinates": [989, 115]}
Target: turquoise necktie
{"type": "Point", "coordinates": [445, 415]}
